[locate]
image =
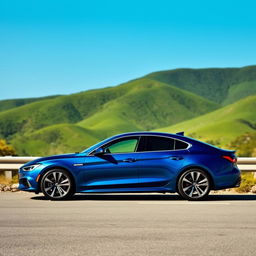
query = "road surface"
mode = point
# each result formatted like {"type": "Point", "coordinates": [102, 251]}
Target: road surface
{"type": "Point", "coordinates": [127, 225]}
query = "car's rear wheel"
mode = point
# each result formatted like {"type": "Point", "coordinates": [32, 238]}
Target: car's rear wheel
{"type": "Point", "coordinates": [194, 184]}
{"type": "Point", "coordinates": [56, 184]}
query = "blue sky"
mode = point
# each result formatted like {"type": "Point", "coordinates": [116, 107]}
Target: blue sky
{"type": "Point", "coordinates": [62, 47]}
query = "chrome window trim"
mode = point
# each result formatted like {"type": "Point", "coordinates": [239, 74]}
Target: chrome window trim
{"type": "Point", "coordinates": [189, 145]}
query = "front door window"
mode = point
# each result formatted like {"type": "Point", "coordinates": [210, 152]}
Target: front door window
{"type": "Point", "coordinates": [122, 146]}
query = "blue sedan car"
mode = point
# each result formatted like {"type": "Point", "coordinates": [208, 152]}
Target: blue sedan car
{"type": "Point", "coordinates": [135, 162]}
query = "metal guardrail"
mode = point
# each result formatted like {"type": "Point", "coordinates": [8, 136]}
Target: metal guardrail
{"type": "Point", "coordinates": [246, 164]}
{"type": "Point", "coordinates": [11, 164]}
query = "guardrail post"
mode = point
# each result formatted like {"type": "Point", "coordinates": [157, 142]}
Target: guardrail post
{"type": "Point", "coordinates": [8, 174]}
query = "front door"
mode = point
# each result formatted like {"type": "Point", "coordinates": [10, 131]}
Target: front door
{"type": "Point", "coordinates": [115, 170]}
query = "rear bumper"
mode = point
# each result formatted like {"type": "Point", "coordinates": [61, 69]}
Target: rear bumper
{"type": "Point", "coordinates": [238, 182]}
{"type": "Point", "coordinates": [229, 180]}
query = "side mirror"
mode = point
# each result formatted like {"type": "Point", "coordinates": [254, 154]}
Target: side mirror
{"type": "Point", "coordinates": [99, 151]}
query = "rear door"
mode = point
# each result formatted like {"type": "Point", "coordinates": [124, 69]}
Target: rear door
{"type": "Point", "coordinates": [159, 161]}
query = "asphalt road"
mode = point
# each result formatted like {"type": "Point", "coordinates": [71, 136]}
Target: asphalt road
{"type": "Point", "coordinates": [127, 225]}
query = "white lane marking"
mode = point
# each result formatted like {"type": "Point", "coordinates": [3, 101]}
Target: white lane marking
{"type": "Point", "coordinates": [185, 203]}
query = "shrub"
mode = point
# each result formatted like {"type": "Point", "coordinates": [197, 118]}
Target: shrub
{"type": "Point", "coordinates": [248, 181]}
{"type": "Point", "coordinates": [245, 144]}
{"type": "Point", "coordinates": [5, 149]}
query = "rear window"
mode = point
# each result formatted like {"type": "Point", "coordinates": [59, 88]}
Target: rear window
{"type": "Point", "coordinates": [152, 143]}
{"type": "Point", "coordinates": [157, 143]}
{"type": "Point", "coordinates": [180, 144]}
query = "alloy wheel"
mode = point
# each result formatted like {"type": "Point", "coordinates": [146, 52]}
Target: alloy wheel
{"type": "Point", "coordinates": [56, 184]}
{"type": "Point", "coordinates": [194, 184]}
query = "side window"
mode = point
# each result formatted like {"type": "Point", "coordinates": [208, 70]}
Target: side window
{"type": "Point", "coordinates": [180, 144]}
{"type": "Point", "coordinates": [155, 143]}
{"type": "Point", "coordinates": [122, 146]}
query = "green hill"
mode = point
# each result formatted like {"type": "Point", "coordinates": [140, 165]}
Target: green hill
{"type": "Point", "coordinates": [223, 125]}
{"type": "Point", "coordinates": [13, 103]}
{"type": "Point", "coordinates": [147, 105]}
{"type": "Point", "coordinates": [221, 85]}
{"type": "Point", "coordinates": [60, 124]}
{"type": "Point", "coordinates": [138, 105]}
{"type": "Point", "coordinates": [54, 139]}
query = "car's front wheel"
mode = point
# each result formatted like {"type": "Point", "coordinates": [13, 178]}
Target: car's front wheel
{"type": "Point", "coordinates": [194, 184]}
{"type": "Point", "coordinates": [56, 184]}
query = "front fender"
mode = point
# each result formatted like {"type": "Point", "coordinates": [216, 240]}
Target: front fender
{"type": "Point", "coordinates": [56, 165]}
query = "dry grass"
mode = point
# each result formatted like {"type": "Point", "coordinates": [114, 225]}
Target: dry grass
{"type": "Point", "coordinates": [248, 181]}
{"type": "Point", "coordinates": [5, 181]}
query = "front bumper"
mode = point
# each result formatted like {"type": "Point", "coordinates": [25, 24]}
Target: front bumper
{"type": "Point", "coordinates": [28, 180]}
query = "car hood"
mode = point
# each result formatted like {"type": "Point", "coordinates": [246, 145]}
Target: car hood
{"type": "Point", "coordinates": [41, 159]}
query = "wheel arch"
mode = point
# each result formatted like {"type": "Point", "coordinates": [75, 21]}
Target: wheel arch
{"type": "Point", "coordinates": [56, 167]}
{"type": "Point", "coordinates": [212, 184]}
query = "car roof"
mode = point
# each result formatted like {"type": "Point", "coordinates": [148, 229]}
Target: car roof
{"type": "Point", "coordinates": [145, 133]}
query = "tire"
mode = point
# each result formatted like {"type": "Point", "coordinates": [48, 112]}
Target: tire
{"type": "Point", "coordinates": [56, 184]}
{"type": "Point", "coordinates": [194, 184]}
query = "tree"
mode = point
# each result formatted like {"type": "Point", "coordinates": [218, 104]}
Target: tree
{"type": "Point", "coordinates": [5, 149]}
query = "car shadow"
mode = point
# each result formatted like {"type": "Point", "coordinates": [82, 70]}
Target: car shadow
{"type": "Point", "coordinates": [150, 197]}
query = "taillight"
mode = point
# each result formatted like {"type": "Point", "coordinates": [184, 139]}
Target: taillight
{"type": "Point", "coordinates": [230, 159]}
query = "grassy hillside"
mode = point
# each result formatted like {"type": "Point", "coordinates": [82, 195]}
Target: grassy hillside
{"type": "Point", "coordinates": [147, 105]}
{"type": "Point", "coordinates": [222, 125]}
{"type": "Point", "coordinates": [63, 109]}
{"type": "Point", "coordinates": [89, 116]}
{"type": "Point", "coordinates": [58, 124]}
{"type": "Point", "coordinates": [13, 103]}
{"type": "Point", "coordinates": [239, 91]}
{"type": "Point", "coordinates": [215, 84]}
{"type": "Point", "coordinates": [54, 139]}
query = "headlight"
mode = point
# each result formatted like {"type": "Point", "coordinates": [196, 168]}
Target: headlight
{"type": "Point", "coordinates": [30, 167]}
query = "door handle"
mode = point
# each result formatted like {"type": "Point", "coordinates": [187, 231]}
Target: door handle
{"type": "Point", "coordinates": [129, 160]}
{"type": "Point", "coordinates": [176, 157]}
